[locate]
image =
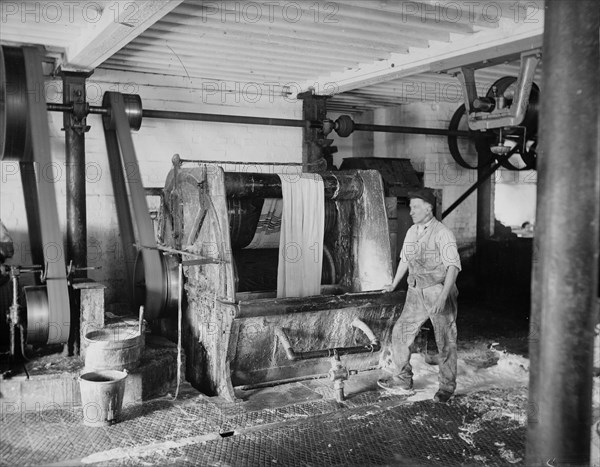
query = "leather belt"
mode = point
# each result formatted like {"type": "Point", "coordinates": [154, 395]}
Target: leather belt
{"type": "Point", "coordinates": [44, 198]}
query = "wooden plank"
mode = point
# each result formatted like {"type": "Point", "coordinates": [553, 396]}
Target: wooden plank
{"type": "Point", "coordinates": [284, 306]}
{"type": "Point", "coordinates": [435, 11]}
{"type": "Point", "coordinates": [496, 46]}
{"type": "Point", "coordinates": [118, 25]}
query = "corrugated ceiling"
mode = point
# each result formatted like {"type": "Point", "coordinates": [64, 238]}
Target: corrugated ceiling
{"type": "Point", "coordinates": [285, 45]}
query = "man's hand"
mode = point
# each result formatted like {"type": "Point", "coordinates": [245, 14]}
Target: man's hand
{"type": "Point", "coordinates": [449, 282]}
{"type": "Point", "coordinates": [389, 288]}
{"type": "Point", "coordinates": [439, 304]}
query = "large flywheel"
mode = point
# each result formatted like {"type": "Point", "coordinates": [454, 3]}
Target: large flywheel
{"type": "Point", "coordinates": [25, 137]}
{"type": "Point", "coordinates": [495, 143]}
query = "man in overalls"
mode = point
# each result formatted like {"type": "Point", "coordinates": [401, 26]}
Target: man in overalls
{"type": "Point", "coordinates": [430, 256]}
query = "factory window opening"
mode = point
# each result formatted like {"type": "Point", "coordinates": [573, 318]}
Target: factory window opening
{"type": "Point", "coordinates": [515, 201]}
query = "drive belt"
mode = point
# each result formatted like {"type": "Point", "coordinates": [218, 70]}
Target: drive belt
{"type": "Point", "coordinates": [58, 327]}
{"type": "Point", "coordinates": [132, 208]}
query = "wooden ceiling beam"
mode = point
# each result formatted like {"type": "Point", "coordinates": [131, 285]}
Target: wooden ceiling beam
{"type": "Point", "coordinates": [491, 46]}
{"type": "Point", "coordinates": [111, 30]}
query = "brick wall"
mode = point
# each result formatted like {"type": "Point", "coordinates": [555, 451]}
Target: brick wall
{"type": "Point", "coordinates": [428, 154]}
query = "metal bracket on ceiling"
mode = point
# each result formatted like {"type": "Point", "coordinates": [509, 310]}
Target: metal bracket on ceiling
{"type": "Point", "coordinates": [494, 111]}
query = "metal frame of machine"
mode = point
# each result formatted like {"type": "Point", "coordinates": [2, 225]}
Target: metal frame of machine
{"type": "Point", "coordinates": [230, 337]}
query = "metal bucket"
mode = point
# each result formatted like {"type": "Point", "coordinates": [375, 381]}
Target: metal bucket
{"type": "Point", "coordinates": [102, 396]}
{"type": "Point", "coordinates": [113, 348]}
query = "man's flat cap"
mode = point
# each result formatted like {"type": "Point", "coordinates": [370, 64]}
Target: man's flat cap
{"type": "Point", "coordinates": [426, 194]}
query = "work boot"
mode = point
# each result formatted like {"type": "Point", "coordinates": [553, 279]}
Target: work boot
{"type": "Point", "coordinates": [396, 385]}
{"type": "Point", "coordinates": [442, 396]}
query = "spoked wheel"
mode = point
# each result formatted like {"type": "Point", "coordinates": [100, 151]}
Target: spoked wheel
{"type": "Point", "coordinates": [493, 144]}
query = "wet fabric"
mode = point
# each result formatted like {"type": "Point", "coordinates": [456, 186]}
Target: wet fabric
{"type": "Point", "coordinates": [301, 240]}
{"type": "Point", "coordinates": [269, 225]}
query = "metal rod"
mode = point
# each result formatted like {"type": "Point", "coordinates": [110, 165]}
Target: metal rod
{"type": "Point", "coordinates": [98, 110]}
{"type": "Point", "coordinates": [201, 117]}
{"type": "Point", "coordinates": [480, 181]}
{"type": "Point", "coordinates": [565, 273]}
{"type": "Point", "coordinates": [67, 107]}
{"type": "Point", "coordinates": [373, 346]}
{"type": "Point", "coordinates": [482, 177]}
{"type": "Point", "coordinates": [410, 130]}
{"type": "Point", "coordinates": [279, 382]}
{"type": "Point", "coordinates": [248, 120]}
{"type": "Point", "coordinates": [246, 163]}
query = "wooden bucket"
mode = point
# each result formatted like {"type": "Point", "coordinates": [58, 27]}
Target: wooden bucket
{"type": "Point", "coordinates": [113, 348]}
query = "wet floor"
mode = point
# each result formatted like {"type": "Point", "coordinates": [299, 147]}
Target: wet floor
{"type": "Point", "coordinates": [303, 424]}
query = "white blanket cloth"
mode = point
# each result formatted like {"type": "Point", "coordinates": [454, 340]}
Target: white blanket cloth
{"type": "Point", "coordinates": [301, 240]}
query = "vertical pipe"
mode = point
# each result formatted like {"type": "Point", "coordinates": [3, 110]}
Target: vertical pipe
{"type": "Point", "coordinates": [565, 273]}
{"type": "Point", "coordinates": [74, 125]}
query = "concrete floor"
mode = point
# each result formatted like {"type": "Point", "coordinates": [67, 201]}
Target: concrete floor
{"type": "Point", "coordinates": [302, 424]}
{"type": "Point", "coordinates": [294, 424]}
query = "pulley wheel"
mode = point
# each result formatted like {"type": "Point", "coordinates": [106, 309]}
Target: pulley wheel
{"type": "Point", "coordinates": [157, 303]}
{"type": "Point", "coordinates": [133, 111]}
{"type": "Point", "coordinates": [474, 145]}
{"type": "Point", "coordinates": [15, 143]}
{"type": "Point", "coordinates": [530, 123]}
{"type": "Point", "coordinates": [38, 326]}
{"type": "Point", "coordinates": [344, 126]}
{"type": "Point", "coordinates": [483, 140]}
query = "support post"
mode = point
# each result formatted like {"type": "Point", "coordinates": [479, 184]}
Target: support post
{"type": "Point", "coordinates": [565, 271]}
{"type": "Point", "coordinates": [485, 196]}
{"type": "Point", "coordinates": [75, 128]}
{"type": "Point", "coordinates": [315, 145]}
{"type": "Point", "coordinates": [485, 215]}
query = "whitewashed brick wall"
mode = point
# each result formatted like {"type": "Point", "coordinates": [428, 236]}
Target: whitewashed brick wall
{"type": "Point", "coordinates": [428, 154]}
